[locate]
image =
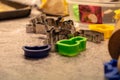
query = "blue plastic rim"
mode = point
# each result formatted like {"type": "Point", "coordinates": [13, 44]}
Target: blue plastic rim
{"type": "Point", "coordinates": [36, 51]}
{"type": "Point", "coordinates": [111, 71]}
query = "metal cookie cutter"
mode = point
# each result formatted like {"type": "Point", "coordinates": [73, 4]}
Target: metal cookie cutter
{"type": "Point", "coordinates": [55, 29]}
{"type": "Point", "coordinates": [58, 30]}
{"type": "Point", "coordinates": [38, 24]}
{"type": "Point", "coordinates": [30, 28]}
{"type": "Point", "coordinates": [93, 36]}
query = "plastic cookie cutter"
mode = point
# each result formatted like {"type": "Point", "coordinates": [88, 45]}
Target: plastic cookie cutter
{"type": "Point", "coordinates": [93, 36]}
{"type": "Point", "coordinates": [111, 71]}
{"type": "Point", "coordinates": [117, 14]}
{"type": "Point", "coordinates": [72, 46]}
{"type": "Point", "coordinates": [103, 28]}
{"type": "Point", "coordinates": [76, 12]}
{"type": "Point", "coordinates": [36, 51]}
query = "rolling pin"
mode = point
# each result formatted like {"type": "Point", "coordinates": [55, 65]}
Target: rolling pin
{"type": "Point", "coordinates": [114, 47]}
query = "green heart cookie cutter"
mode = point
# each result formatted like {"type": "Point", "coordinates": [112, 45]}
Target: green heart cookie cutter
{"type": "Point", "coordinates": [72, 46]}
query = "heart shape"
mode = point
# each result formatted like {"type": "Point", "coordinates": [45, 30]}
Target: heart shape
{"type": "Point", "coordinates": [72, 46]}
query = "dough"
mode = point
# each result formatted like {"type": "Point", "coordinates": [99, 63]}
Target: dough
{"type": "Point", "coordinates": [54, 7]}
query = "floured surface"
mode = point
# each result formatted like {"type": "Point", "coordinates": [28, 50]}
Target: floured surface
{"type": "Point", "coordinates": [13, 66]}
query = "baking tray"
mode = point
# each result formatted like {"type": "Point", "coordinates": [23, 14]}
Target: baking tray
{"type": "Point", "coordinates": [21, 10]}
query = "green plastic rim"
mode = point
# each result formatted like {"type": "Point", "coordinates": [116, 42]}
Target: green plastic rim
{"type": "Point", "coordinates": [72, 46]}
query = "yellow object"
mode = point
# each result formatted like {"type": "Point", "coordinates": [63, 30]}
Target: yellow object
{"type": "Point", "coordinates": [55, 7]}
{"type": "Point", "coordinates": [103, 28]}
{"type": "Point", "coordinates": [117, 18]}
{"type": "Point", "coordinates": [117, 14]}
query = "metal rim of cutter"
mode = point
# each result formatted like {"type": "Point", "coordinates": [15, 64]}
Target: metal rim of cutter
{"type": "Point", "coordinates": [114, 45]}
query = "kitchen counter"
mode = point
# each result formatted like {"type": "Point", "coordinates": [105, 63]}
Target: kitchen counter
{"type": "Point", "coordinates": [13, 66]}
